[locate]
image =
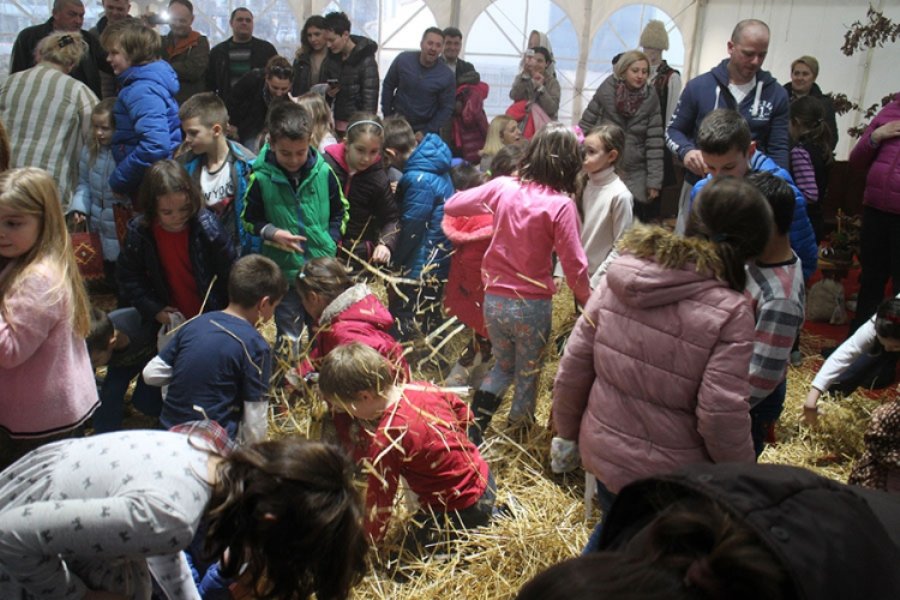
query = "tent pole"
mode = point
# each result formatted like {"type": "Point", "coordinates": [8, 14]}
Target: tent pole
{"type": "Point", "coordinates": [693, 66]}
{"type": "Point", "coordinates": [581, 69]}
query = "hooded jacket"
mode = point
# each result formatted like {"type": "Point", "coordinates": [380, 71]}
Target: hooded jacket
{"type": "Point", "coordinates": [766, 109]}
{"type": "Point", "coordinates": [470, 123]}
{"type": "Point", "coordinates": [94, 198]}
{"type": "Point", "coordinates": [641, 164]}
{"type": "Point", "coordinates": [421, 193]}
{"type": "Point", "coordinates": [358, 77]}
{"type": "Point", "coordinates": [464, 292]}
{"type": "Point", "coordinates": [655, 373]}
{"type": "Point", "coordinates": [803, 238]}
{"type": "Point", "coordinates": [833, 541]}
{"type": "Point", "coordinates": [147, 125]}
{"type": "Point", "coordinates": [883, 162]}
{"type": "Point", "coordinates": [373, 213]}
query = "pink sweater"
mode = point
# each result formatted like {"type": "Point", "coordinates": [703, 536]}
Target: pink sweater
{"type": "Point", "coordinates": [45, 374]}
{"type": "Point", "coordinates": [531, 221]}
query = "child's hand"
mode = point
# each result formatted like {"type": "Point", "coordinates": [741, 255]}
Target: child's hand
{"type": "Point", "coordinates": [381, 255]}
{"type": "Point", "coordinates": [811, 408]}
{"type": "Point", "coordinates": [289, 240]}
{"type": "Point", "coordinates": [652, 194]}
{"type": "Point", "coordinates": [165, 315]}
{"type": "Point", "coordinates": [78, 217]}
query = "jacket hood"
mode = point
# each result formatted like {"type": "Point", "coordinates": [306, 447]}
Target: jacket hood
{"type": "Point", "coordinates": [158, 73]}
{"type": "Point", "coordinates": [431, 155]}
{"type": "Point", "coordinates": [357, 303]}
{"type": "Point", "coordinates": [462, 230]}
{"type": "Point", "coordinates": [658, 267]}
{"type": "Point", "coordinates": [338, 152]}
{"type": "Point", "coordinates": [363, 49]}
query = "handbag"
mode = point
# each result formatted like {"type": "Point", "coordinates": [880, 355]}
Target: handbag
{"type": "Point", "coordinates": [122, 215]}
{"type": "Point", "coordinates": [88, 252]}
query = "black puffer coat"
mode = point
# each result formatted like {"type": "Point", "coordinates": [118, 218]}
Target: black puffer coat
{"type": "Point", "coordinates": [358, 78]}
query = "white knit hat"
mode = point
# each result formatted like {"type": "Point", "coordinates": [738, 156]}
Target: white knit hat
{"type": "Point", "coordinates": [655, 36]}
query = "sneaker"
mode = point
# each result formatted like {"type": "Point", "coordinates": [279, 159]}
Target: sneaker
{"type": "Point", "coordinates": [458, 376]}
{"type": "Point", "coordinates": [796, 358]}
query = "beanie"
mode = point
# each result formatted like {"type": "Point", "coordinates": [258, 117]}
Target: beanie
{"type": "Point", "coordinates": [655, 36]}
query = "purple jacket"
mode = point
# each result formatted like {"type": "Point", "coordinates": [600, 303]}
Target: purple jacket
{"type": "Point", "coordinates": [883, 181]}
{"type": "Point", "coordinates": [655, 373]}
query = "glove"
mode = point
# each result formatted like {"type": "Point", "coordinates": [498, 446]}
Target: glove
{"type": "Point", "coordinates": [564, 456]}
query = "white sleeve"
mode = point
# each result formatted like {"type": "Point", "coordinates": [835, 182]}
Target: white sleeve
{"type": "Point", "coordinates": [852, 348]}
{"type": "Point", "coordinates": [157, 372]}
{"type": "Point", "coordinates": [672, 97]}
{"type": "Point", "coordinates": [255, 421]}
{"type": "Point", "coordinates": [172, 573]}
{"type": "Point", "coordinates": [601, 270]}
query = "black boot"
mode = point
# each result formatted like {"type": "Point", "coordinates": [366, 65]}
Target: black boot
{"type": "Point", "coordinates": [484, 405]}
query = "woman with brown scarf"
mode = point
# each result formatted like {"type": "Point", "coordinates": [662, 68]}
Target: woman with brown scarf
{"type": "Point", "coordinates": [626, 99]}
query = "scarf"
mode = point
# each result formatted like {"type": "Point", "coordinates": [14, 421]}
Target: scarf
{"type": "Point", "coordinates": [628, 101]}
{"type": "Point", "coordinates": [181, 45]}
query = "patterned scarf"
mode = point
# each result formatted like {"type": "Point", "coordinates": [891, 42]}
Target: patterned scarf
{"type": "Point", "coordinates": [628, 101]}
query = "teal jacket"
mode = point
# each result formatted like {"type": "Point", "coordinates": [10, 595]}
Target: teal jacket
{"type": "Point", "coordinates": [312, 205]}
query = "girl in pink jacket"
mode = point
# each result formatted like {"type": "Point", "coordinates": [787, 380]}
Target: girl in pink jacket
{"type": "Point", "coordinates": [655, 373]}
{"type": "Point", "coordinates": [533, 217]}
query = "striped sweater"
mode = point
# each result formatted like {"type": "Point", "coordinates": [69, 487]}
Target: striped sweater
{"type": "Point", "coordinates": [777, 294]}
{"type": "Point", "coordinates": [48, 118]}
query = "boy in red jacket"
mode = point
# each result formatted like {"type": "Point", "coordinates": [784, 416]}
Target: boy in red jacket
{"type": "Point", "coordinates": [415, 431]}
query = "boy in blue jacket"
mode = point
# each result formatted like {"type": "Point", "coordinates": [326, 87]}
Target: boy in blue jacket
{"type": "Point", "coordinates": [724, 140]}
{"type": "Point", "coordinates": [423, 250]}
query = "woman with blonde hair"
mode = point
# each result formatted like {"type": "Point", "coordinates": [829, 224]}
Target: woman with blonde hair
{"type": "Point", "coordinates": [503, 131]}
{"type": "Point", "coordinates": [48, 113]}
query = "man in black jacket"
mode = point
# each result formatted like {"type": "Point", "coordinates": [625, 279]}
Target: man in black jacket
{"type": "Point", "coordinates": [450, 55]}
{"type": "Point", "coordinates": [236, 56]}
{"type": "Point", "coordinates": [350, 71]}
{"type": "Point", "coordinates": [68, 15]}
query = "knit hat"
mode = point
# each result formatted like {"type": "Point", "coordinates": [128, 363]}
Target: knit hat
{"type": "Point", "coordinates": [655, 36]}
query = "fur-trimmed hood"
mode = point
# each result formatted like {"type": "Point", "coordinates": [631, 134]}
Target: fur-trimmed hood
{"type": "Point", "coordinates": [357, 303]}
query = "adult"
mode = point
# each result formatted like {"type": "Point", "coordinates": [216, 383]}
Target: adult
{"type": "Point", "coordinates": [48, 113]}
{"type": "Point", "coordinates": [878, 153]}
{"type": "Point", "coordinates": [537, 85]}
{"type": "Point", "coordinates": [186, 50]}
{"type": "Point", "coordinates": [350, 70]}
{"type": "Point", "coordinates": [450, 55]}
{"type": "Point", "coordinates": [626, 99]}
{"type": "Point", "coordinates": [419, 87]}
{"type": "Point", "coordinates": [236, 56]}
{"type": "Point", "coordinates": [738, 83]}
{"type": "Point", "coordinates": [804, 72]}
{"type": "Point", "coordinates": [251, 95]}
{"type": "Point", "coordinates": [67, 16]}
{"type": "Point", "coordinates": [310, 55]}
{"type": "Point", "coordinates": [113, 12]}
{"type": "Point", "coordinates": [469, 124]}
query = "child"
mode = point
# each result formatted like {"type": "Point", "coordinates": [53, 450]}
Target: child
{"type": "Point", "coordinates": [879, 466]}
{"type": "Point", "coordinates": [654, 374]}
{"type": "Point", "coordinates": [123, 343]}
{"type": "Point", "coordinates": [47, 380]}
{"type": "Point", "coordinates": [145, 113]}
{"type": "Point", "coordinates": [176, 256]}
{"type": "Point", "coordinates": [219, 167]}
{"type": "Point", "coordinates": [93, 200]}
{"type": "Point", "coordinates": [724, 141]}
{"type": "Point", "coordinates": [810, 156]}
{"type": "Point", "coordinates": [113, 509]}
{"type": "Point", "coordinates": [423, 250]}
{"type": "Point", "coordinates": [218, 364]}
{"type": "Point", "coordinates": [374, 221]}
{"type": "Point", "coordinates": [321, 120]}
{"type": "Point", "coordinates": [295, 204]}
{"type": "Point", "coordinates": [533, 217]}
{"type": "Point", "coordinates": [503, 131]}
{"type": "Point", "coordinates": [412, 431]}
{"type": "Point", "coordinates": [470, 125]}
{"type": "Point", "coordinates": [777, 294]}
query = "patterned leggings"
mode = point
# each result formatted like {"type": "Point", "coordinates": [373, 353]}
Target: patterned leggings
{"type": "Point", "coordinates": [518, 330]}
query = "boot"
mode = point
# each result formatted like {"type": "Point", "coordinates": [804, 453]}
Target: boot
{"type": "Point", "coordinates": [484, 405]}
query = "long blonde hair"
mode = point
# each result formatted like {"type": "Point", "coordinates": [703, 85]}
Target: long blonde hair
{"type": "Point", "coordinates": [494, 142]}
{"type": "Point", "coordinates": [32, 191]}
{"type": "Point", "coordinates": [320, 120]}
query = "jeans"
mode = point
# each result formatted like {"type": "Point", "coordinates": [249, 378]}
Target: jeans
{"type": "Point", "coordinates": [765, 414]}
{"type": "Point", "coordinates": [606, 499]}
{"type": "Point", "coordinates": [146, 398]}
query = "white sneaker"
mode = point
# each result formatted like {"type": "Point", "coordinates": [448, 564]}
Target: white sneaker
{"type": "Point", "coordinates": [458, 376]}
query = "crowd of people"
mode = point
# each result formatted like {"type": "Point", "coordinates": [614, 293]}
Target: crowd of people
{"type": "Point", "coordinates": [232, 186]}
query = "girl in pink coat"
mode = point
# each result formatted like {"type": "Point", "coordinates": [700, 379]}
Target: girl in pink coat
{"type": "Point", "coordinates": [655, 373]}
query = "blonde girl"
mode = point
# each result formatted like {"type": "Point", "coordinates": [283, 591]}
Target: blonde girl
{"type": "Point", "coordinates": [47, 380]}
{"type": "Point", "coordinates": [321, 120]}
{"type": "Point", "coordinates": [502, 131]}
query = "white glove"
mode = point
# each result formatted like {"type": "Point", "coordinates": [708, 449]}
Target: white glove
{"type": "Point", "coordinates": [564, 456]}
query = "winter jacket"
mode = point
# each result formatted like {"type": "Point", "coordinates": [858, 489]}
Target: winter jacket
{"type": "Point", "coordinates": [147, 125]}
{"type": "Point", "coordinates": [240, 160]}
{"type": "Point", "coordinates": [641, 164]}
{"type": "Point", "coordinates": [470, 123]}
{"type": "Point", "coordinates": [315, 208]}
{"type": "Point", "coordinates": [833, 541]}
{"type": "Point", "coordinates": [421, 193]}
{"type": "Point", "coordinates": [803, 238]}
{"type": "Point", "coordinates": [373, 213]}
{"type": "Point", "coordinates": [87, 71]}
{"type": "Point", "coordinates": [94, 198]}
{"type": "Point", "coordinates": [248, 104]}
{"type": "Point", "coordinates": [141, 277]}
{"type": "Point", "coordinates": [218, 72]}
{"type": "Point", "coordinates": [655, 373]}
{"type": "Point", "coordinates": [189, 57]}
{"type": "Point", "coordinates": [883, 162]}
{"type": "Point", "coordinates": [358, 77]}
{"type": "Point", "coordinates": [303, 73]}
{"type": "Point", "coordinates": [464, 292]}
{"type": "Point", "coordinates": [547, 96]}
{"type": "Point", "coordinates": [424, 96]}
{"type": "Point", "coordinates": [827, 103]}
{"type": "Point", "coordinates": [766, 109]}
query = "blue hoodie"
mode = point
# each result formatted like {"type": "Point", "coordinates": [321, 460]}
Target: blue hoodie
{"type": "Point", "coordinates": [766, 109]}
{"type": "Point", "coordinates": [421, 193]}
{"type": "Point", "coordinates": [803, 239]}
{"type": "Point", "coordinates": [147, 125]}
